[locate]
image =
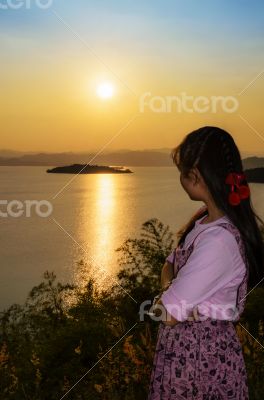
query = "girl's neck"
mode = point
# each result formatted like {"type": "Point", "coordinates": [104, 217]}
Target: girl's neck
{"type": "Point", "coordinates": [213, 214]}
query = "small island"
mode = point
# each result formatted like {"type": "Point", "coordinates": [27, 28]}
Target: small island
{"type": "Point", "coordinates": [255, 175]}
{"type": "Point", "coordinates": [89, 169]}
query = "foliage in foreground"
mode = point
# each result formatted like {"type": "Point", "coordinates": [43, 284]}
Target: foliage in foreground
{"type": "Point", "coordinates": [64, 333]}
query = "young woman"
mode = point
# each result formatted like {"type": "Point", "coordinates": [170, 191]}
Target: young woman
{"type": "Point", "coordinates": [205, 280]}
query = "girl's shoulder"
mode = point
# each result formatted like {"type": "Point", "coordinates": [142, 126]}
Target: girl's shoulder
{"type": "Point", "coordinates": [222, 230]}
{"type": "Point", "coordinates": [222, 240]}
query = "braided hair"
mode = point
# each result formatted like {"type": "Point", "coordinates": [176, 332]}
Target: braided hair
{"type": "Point", "coordinates": [214, 153]}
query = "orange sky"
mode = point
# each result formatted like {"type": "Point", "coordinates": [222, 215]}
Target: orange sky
{"type": "Point", "coordinates": [54, 60]}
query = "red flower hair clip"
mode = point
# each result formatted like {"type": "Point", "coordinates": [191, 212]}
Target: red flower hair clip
{"type": "Point", "coordinates": [243, 191]}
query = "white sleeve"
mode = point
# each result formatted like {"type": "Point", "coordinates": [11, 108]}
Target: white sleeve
{"type": "Point", "coordinates": [209, 267]}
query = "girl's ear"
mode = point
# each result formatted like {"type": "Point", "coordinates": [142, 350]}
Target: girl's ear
{"type": "Point", "coordinates": [195, 175]}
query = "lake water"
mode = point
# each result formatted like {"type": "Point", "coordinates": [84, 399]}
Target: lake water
{"type": "Point", "coordinates": [92, 217]}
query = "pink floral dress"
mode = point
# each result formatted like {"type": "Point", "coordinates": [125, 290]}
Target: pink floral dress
{"type": "Point", "coordinates": [201, 360]}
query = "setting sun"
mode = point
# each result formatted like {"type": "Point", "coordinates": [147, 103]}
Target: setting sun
{"type": "Point", "coordinates": [105, 90]}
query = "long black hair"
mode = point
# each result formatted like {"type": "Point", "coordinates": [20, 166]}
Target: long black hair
{"type": "Point", "coordinates": [214, 153]}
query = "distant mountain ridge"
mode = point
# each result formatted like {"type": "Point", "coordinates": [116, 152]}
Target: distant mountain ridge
{"type": "Point", "coordinates": [137, 158]}
{"type": "Point", "coordinates": [253, 162]}
{"type": "Point", "coordinates": [127, 158]}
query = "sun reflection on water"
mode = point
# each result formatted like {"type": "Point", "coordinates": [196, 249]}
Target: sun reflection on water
{"type": "Point", "coordinates": [101, 221]}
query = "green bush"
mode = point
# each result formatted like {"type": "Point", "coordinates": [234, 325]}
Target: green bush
{"type": "Point", "coordinates": [90, 343]}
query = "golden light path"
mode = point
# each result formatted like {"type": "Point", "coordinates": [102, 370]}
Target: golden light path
{"type": "Point", "coordinates": [99, 218]}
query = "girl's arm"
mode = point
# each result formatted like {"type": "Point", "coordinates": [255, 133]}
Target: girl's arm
{"type": "Point", "coordinates": [168, 319]}
{"type": "Point", "coordinates": [166, 274]}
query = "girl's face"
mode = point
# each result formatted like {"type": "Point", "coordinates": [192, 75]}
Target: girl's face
{"type": "Point", "coordinates": [194, 185]}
